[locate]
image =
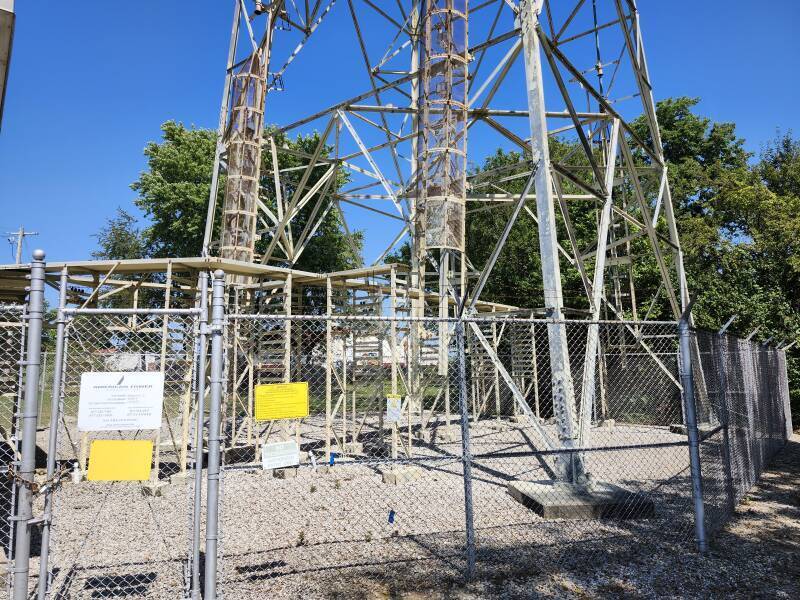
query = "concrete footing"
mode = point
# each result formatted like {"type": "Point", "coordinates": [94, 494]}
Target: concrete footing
{"type": "Point", "coordinates": [397, 475]}
{"type": "Point", "coordinates": [353, 448]}
{"type": "Point", "coordinates": [598, 500]}
{"type": "Point", "coordinates": [286, 473]}
{"type": "Point", "coordinates": [525, 420]}
{"type": "Point", "coordinates": [680, 428]}
{"type": "Point", "coordinates": [153, 488]}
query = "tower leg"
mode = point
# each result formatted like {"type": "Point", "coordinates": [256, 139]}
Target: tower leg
{"type": "Point", "coordinates": [570, 465]}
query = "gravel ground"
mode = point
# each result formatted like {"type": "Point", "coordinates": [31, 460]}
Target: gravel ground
{"type": "Point", "coordinates": [345, 534]}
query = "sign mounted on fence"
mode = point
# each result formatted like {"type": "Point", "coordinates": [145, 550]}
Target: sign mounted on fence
{"type": "Point", "coordinates": [112, 401]}
{"type": "Point", "coordinates": [277, 455]}
{"type": "Point", "coordinates": [393, 408]}
{"type": "Point", "coordinates": [120, 460]}
{"type": "Point", "coordinates": [281, 401]}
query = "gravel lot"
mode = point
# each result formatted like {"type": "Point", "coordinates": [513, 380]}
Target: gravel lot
{"type": "Point", "coordinates": [345, 533]}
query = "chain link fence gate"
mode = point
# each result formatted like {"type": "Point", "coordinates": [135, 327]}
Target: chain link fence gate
{"type": "Point", "coordinates": [12, 351]}
{"type": "Point", "coordinates": [125, 538]}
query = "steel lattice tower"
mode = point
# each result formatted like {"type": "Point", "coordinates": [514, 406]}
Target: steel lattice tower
{"type": "Point", "coordinates": [438, 72]}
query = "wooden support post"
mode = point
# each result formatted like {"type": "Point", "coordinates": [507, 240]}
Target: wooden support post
{"type": "Point", "coordinates": [494, 368]}
{"type": "Point", "coordinates": [393, 346]}
{"type": "Point", "coordinates": [328, 367]}
{"type": "Point", "coordinates": [163, 364]}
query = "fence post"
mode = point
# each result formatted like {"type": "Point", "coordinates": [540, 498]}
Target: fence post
{"type": "Point", "coordinates": [212, 474]}
{"type": "Point", "coordinates": [30, 409]}
{"type": "Point", "coordinates": [687, 381]}
{"type": "Point", "coordinates": [466, 453]}
{"type": "Point", "coordinates": [722, 373]}
{"type": "Point", "coordinates": [198, 435]}
{"type": "Point", "coordinates": [52, 438]}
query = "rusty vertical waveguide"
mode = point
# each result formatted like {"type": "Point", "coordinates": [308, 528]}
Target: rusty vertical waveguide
{"type": "Point", "coordinates": [443, 159]}
{"type": "Point", "coordinates": [243, 139]}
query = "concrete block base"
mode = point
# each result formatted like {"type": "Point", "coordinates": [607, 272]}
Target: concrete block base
{"type": "Point", "coordinates": [598, 500]}
{"type": "Point", "coordinates": [448, 433]}
{"type": "Point", "coordinates": [153, 488]}
{"type": "Point", "coordinates": [443, 433]}
{"type": "Point", "coordinates": [524, 420]}
{"type": "Point", "coordinates": [680, 428]}
{"type": "Point", "coordinates": [353, 448]}
{"type": "Point", "coordinates": [607, 424]}
{"type": "Point", "coordinates": [398, 475]}
{"type": "Point", "coordinates": [287, 473]}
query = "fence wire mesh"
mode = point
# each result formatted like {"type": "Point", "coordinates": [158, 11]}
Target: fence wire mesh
{"type": "Point", "coordinates": [428, 450]}
{"type": "Point", "coordinates": [379, 494]}
{"type": "Point", "coordinates": [746, 419]}
{"type": "Point", "coordinates": [12, 344]}
{"type": "Point", "coordinates": [378, 490]}
{"type": "Point", "coordinates": [125, 538]}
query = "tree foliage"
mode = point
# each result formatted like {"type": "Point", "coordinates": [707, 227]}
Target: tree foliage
{"type": "Point", "coordinates": [173, 195]}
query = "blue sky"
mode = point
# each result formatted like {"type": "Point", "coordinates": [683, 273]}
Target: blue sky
{"type": "Point", "coordinates": [91, 82]}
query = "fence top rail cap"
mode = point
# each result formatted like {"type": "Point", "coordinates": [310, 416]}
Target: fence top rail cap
{"type": "Point", "coordinates": [132, 311]}
{"type": "Point", "coordinates": [476, 319]}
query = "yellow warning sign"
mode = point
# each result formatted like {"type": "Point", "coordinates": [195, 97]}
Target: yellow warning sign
{"type": "Point", "coordinates": [120, 460]}
{"type": "Point", "coordinates": [281, 401]}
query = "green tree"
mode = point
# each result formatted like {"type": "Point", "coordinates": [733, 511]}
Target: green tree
{"type": "Point", "coordinates": [173, 195]}
{"type": "Point", "coordinates": [120, 238]}
{"type": "Point", "coordinates": [173, 191]}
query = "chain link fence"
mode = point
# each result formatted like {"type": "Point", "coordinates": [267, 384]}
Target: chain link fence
{"type": "Point", "coordinates": [124, 538]}
{"type": "Point", "coordinates": [12, 351]}
{"type": "Point", "coordinates": [427, 450]}
{"type": "Point", "coordinates": [411, 470]}
{"type": "Point", "coordinates": [747, 417]}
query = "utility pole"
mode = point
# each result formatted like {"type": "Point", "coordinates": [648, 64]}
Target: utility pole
{"type": "Point", "coordinates": [20, 234]}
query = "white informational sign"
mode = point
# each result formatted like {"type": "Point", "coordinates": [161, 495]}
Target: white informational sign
{"type": "Point", "coordinates": [393, 406]}
{"type": "Point", "coordinates": [277, 455]}
{"type": "Point", "coordinates": [112, 401]}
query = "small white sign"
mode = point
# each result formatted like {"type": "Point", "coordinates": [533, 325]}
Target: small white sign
{"type": "Point", "coordinates": [277, 455]}
{"type": "Point", "coordinates": [112, 401]}
{"type": "Point", "coordinates": [393, 408]}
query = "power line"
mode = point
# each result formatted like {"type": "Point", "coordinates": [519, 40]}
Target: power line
{"type": "Point", "coordinates": [20, 236]}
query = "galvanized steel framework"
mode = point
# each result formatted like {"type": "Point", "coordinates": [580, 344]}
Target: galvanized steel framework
{"type": "Point", "coordinates": [437, 69]}
{"type": "Point", "coordinates": [446, 67]}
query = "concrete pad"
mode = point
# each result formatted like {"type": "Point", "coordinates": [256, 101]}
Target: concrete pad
{"type": "Point", "coordinates": [398, 475]}
{"type": "Point", "coordinates": [598, 500]}
{"type": "Point", "coordinates": [607, 424]}
{"type": "Point", "coordinates": [178, 477]}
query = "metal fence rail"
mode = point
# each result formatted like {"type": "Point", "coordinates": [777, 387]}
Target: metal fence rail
{"type": "Point", "coordinates": [429, 450]}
